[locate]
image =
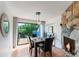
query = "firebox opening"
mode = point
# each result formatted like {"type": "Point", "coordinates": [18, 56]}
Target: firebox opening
{"type": "Point", "coordinates": [69, 45]}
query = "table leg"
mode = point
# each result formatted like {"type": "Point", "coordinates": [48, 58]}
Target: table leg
{"type": "Point", "coordinates": [36, 50]}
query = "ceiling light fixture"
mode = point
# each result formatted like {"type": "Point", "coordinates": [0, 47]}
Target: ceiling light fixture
{"type": "Point", "coordinates": [38, 17]}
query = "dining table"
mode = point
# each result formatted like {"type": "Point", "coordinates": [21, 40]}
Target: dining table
{"type": "Point", "coordinates": [37, 41]}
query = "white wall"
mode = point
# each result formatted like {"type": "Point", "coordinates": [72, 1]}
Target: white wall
{"type": "Point", "coordinates": [6, 42]}
{"type": "Point", "coordinates": [57, 30]}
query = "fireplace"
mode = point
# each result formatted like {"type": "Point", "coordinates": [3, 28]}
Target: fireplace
{"type": "Point", "coordinates": [69, 45]}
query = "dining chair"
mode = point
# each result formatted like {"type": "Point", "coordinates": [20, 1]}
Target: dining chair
{"type": "Point", "coordinates": [47, 46]}
{"type": "Point", "coordinates": [31, 45]}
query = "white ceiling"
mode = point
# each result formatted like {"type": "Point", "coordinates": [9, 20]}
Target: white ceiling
{"type": "Point", "coordinates": [27, 9]}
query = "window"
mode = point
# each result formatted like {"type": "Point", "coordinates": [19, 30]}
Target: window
{"type": "Point", "coordinates": [25, 30]}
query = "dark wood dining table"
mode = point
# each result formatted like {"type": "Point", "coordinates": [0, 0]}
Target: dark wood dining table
{"type": "Point", "coordinates": [36, 42]}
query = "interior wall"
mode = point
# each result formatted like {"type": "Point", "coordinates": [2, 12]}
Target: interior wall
{"type": "Point", "coordinates": [6, 42]}
{"type": "Point", "coordinates": [56, 29]}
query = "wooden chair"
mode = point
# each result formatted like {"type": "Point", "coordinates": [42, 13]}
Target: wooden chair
{"type": "Point", "coordinates": [31, 45]}
{"type": "Point", "coordinates": [47, 46]}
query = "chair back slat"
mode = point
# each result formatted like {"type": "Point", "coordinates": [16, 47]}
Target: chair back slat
{"type": "Point", "coordinates": [30, 41]}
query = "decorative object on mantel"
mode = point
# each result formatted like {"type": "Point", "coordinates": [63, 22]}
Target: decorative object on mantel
{"type": "Point", "coordinates": [4, 24]}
